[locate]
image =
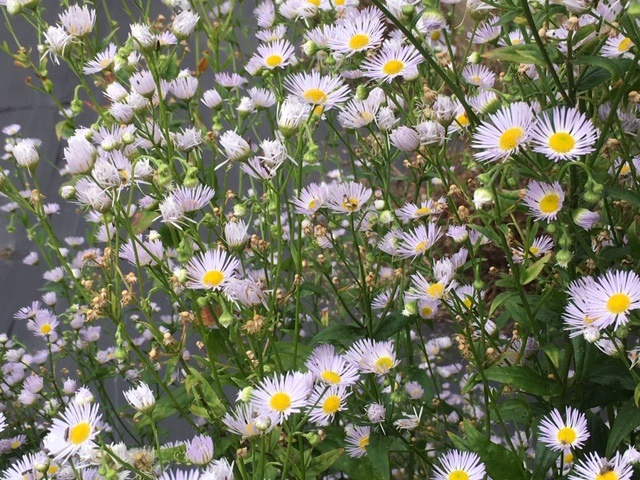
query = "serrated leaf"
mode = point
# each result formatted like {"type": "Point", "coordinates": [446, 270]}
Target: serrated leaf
{"type": "Point", "coordinates": [524, 379]}
{"type": "Point", "coordinates": [378, 453]}
{"type": "Point", "coordinates": [532, 272]}
{"type": "Point", "coordinates": [627, 419]}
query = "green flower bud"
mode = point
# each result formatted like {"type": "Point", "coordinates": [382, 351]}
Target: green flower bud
{"type": "Point", "coordinates": [565, 241]}
{"type": "Point", "coordinates": [551, 228]}
{"type": "Point", "coordinates": [408, 11]}
{"type": "Point", "coordinates": [591, 197]}
{"type": "Point", "coordinates": [226, 319]}
{"type": "Point", "coordinates": [76, 106]}
{"type": "Point", "coordinates": [164, 176]}
{"type": "Point", "coordinates": [203, 302]}
{"type": "Point", "coordinates": [362, 92]}
{"type": "Point", "coordinates": [191, 178]}
{"type": "Point", "coordinates": [239, 210]}
{"type": "Point", "coordinates": [410, 308]}
{"type": "Point", "coordinates": [622, 332]}
{"type": "Point", "coordinates": [312, 437]}
{"type": "Point", "coordinates": [209, 221]}
{"type": "Point", "coordinates": [330, 62]}
{"type": "Point", "coordinates": [246, 394]}
{"type": "Point", "coordinates": [563, 258]}
{"type": "Point", "coordinates": [478, 284]}
{"type": "Point", "coordinates": [120, 354]}
{"type": "Point", "coordinates": [14, 7]}
{"type": "Point", "coordinates": [386, 217]}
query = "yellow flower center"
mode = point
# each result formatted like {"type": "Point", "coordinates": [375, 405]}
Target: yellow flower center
{"type": "Point", "coordinates": [364, 441]}
{"type": "Point", "coordinates": [330, 377]}
{"type": "Point", "coordinates": [53, 469]}
{"type": "Point", "coordinates": [45, 329]}
{"type": "Point", "coordinates": [339, 3]}
{"type": "Point", "coordinates": [515, 41]}
{"type": "Point", "coordinates": [609, 475]}
{"type": "Point", "coordinates": [317, 111]}
{"type": "Point", "coordinates": [476, 79]}
{"type": "Point", "coordinates": [383, 365]}
{"type": "Point", "coordinates": [421, 247]}
{"type": "Point", "coordinates": [105, 62]}
{"type": "Point", "coordinates": [312, 204]}
{"type": "Point", "coordinates": [458, 475]}
{"type": "Point", "coordinates": [280, 401]}
{"type": "Point", "coordinates": [80, 433]}
{"type": "Point", "coordinates": [350, 204]}
{"type": "Point", "coordinates": [273, 60]}
{"type": "Point", "coordinates": [422, 211]}
{"type": "Point", "coordinates": [15, 444]}
{"type": "Point", "coordinates": [366, 117]}
{"type": "Point", "coordinates": [359, 41]}
{"type": "Point", "coordinates": [533, 250]}
{"type": "Point", "coordinates": [426, 311]}
{"type": "Point", "coordinates": [436, 290]}
{"type": "Point", "coordinates": [315, 95]}
{"type": "Point", "coordinates": [315, 3]}
{"type": "Point", "coordinates": [550, 203]}
{"type": "Point", "coordinates": [568, 458]}
{"type": "Point", "coordinates": [467, 302]}
{"type": "Point", "coordinates": [392, 67]}
{"type": "Point", "coordinates": [435, 35]}
{"type": "Point", "coordinates": [331, 404]}
{"type": "Point", "coordinates": [213, 278]}
{"type": "Point", "coordinates": [618, 303]}
{"type": "Point", "coordinates": [250, 429]}
{"type": "Point", "coordinates": [561, 142]}
{"type": "Point", "coordinates": [625, 45]}
{"type": "Point", "coordinates": [626, 168]}
{"type": "Point", "coordinates": [462, 119]}
{"type": "Point", "coordinates": [510, 138]}
{"type": "Point", "coordinates": [567, 435]}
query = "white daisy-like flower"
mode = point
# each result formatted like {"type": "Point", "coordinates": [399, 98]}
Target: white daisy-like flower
{"type": "Point", "coordinates": [359, 113]}
{"type": "Point", "coordinates": [539, 247]}
{"type": "Point", "coordinates": [358, 32]}
{"type": "Point", "coordinates": [544, 200]}
{"type": "Point", "coordinates": [77, 20]}
{"type": "Point", "coordinates": [419, 240]}
{"type": "Point", "coordinates": [411, 211]}
{"type": "Point", "coordinates": [357, 441]}
{"type": "Point", "coordinates": [74, 431]}
{"type": "Point", "coordinates": [235, 233]}
{"type": "Point", "coordinates": [392, 62]}
{"type": "Point", "coordinates": [562, 435]}
{"type": "Point", "coordinates": [282, 395]}
{"type": "Point", "coordinates": [348, 197]}
{"type": "Point", "coordinates": [479, 75]}
{"type": "Point", "coordinates": [612, 297]}
{"type": "Point", "coordinates": [56, 41]}
{"type": "Point", "coordinates": [44, 324]}
{"type": "Point", "coordinates": [331, 368]}
{"type": "Point", "coordinates": [618, 46]}
{"type": "Point", "coordinates": [141, 398]}
{"type": "Point", "coordinates": [102, 61]}
{"type": "Point", "coordinates": [326, 402]}
{"type": "Point", "coordinates": [323, 91]}
{"type": "Point", "coordinates": [184, 24]}
{"type": "Point", "coordinates": [595, 467]}
{"type": "Point", "coordinates": [370, 356]}
{"type": "Point", "coordinates": [459, 465]}
{"type": "Point", "coordinates": [272, 55]}
{"type": "Point", "coordinates": [246, 419]}
{"type": "Point", "coordinates": [211, 270]}
{"type": "Point", "coordinates": [505, 132]}
{"type": "Point", "coordinates": [565, 134]}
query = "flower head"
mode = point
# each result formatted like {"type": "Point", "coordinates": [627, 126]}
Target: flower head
{"type": "Point", "coordinates": [544, 200]}
{"type": "Point", "coordinates": [562, 435]}
{"type": "Point", "coordinates": [565, 134]}
{"type": "Point", "coordinates": [211, 270]}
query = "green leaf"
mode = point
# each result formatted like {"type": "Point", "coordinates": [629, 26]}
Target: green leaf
{"type": "Point", "coordinates": [524, 379]}
{"type": "Point", "coordinates": [592, 78]}
{"type": "Point", "coordinates": [616, 66]}
{"type": "Point", "coordinates": [513, 410]}
{"type": "Point", "coordinates": [205, 397]}
{"type": "Point", "coordinates": [612, 372]}
{"type": "Point", "coordinates": [338, 332]}
{"type": "Point", "coordinates": [629, 196]}
{"type": "Point", "coordinates": [544, 460]}
{"type": "Point", "coordinates": [312, 287]}
{"type": "Point", "coordinates": [636, 396]}
{"type": "Point", "coordinates": [627, 420]}
{"type": "Point", "coordinates": [523, 53]}
{"type": "Point", "coordinates": [532, 272]}
{"type": "Point", "coordinates": [499, 461]}
{"type": "Point", "coordinates": [319, 464]}
{"type": "Point", "coordinates": [378, 453]}
{"type": "Point", "coordinates": [392, 324]}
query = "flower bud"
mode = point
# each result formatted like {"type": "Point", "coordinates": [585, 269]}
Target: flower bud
{"type": "Point", "coordinates": [225, 319]}
{"type": "Point", "coordinates": [563, 258]}
{"type": "Point", "coordinates": [239, 210]}
{"type": "Point", "coordinates": [14, 7]}
{"type": "Point", "coordinates": [481, 197]}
